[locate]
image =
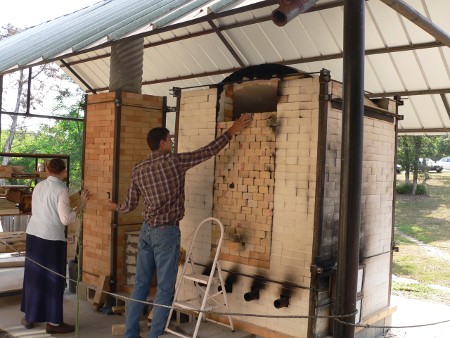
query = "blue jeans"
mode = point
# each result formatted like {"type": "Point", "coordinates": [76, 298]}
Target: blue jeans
{"type": "Point", "coordinates": [158, 251]}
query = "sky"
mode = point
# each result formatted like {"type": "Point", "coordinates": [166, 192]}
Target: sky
{"type": "Point", "coordinates": [28, 13]}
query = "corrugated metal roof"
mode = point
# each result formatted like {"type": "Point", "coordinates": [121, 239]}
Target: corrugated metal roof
{"type": "Point", "coordinates": [183, 47]}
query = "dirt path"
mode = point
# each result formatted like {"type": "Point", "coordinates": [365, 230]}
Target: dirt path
{"type": "Point", "coordinates": [431, 250]}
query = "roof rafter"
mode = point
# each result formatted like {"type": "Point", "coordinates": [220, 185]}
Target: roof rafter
{"type": "Point", "coordinates": [226, 43]}
{"type": "Point", "coordinates": [424, 131]}
{"type": "Point", "coordinates": [410, 93]}
{"type": "Point", "coordinates": [418, 19]}
{"type": "Point", "coordinates": [446, 104]}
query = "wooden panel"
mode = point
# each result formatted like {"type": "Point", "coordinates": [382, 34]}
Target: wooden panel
{"type": "Point", "coordinates": [8, 208]}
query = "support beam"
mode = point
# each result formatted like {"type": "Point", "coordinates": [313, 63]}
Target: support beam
{"type": "Point", "coordinates": [409, 93]}
{"type": "Point", "coordinates": [446, 104]}
{"type": "Point", "coordinates": [54, 117]}
{"type": "Point", "coordinates": [78, 76]}
{"type": "Point", "coordinates": [424, 131]}
{"type": "Point", "coordinates": [351, 168]}
{"type": "Point", "coordinates": [418, 19]}
{"type": "Point", "coordinates": [226, 43]}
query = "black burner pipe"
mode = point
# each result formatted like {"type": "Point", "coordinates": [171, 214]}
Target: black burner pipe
{"type": "Point", "coordinates": [283, 301]}
{"type": "Point", "coordinates": [252, 295]}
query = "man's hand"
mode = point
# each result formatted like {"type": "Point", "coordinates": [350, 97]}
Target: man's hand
{"type": "Point", "coordinates": [112, 206]}
{"type": "Point", "coordinates": [242, 122]}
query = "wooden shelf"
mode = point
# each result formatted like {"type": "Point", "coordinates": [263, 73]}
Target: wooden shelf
{"type": "Point", "coordinates": [8, 208]}
{"type": "Point", "coordinates": [24, 176]}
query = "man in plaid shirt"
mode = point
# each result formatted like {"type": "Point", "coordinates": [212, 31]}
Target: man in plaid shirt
{"type": "Point", "coordinates": [159, 180]}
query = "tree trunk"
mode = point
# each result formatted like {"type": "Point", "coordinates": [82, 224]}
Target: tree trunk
{"type": "Point", "coordinates": [12, 132]}
{"type": "Point", "coordinates": [417, 148]}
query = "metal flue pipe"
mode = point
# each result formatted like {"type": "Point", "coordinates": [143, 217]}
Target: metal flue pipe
{"type": "Point", "coordinates": [351, 167]}
{"type": "Point", "coordinates": [127, 66]}
{"type": "Point", "coordinates": [289, 9]}
{"type": "Point", "coordinates": [418, 19]}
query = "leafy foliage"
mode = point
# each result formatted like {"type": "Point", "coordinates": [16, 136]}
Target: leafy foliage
{"type": "Point", "coordinates": [412, 148]}
{"type": "Point", "coordinates": [61, 137]}
{"type": "Point", "coordinates": [407, 188]}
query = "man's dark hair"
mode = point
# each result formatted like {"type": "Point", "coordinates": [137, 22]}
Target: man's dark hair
{"type": "Point", "coordinates": [155, 136]}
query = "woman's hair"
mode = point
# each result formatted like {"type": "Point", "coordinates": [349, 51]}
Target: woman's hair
{"type": "Point", "coordinates": [56, 166]}
{"type": "Point", "coordinates": [155, 136]}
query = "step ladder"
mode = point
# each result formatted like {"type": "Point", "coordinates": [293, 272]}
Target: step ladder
{"type": "Point", "coordinates": [207, 299]}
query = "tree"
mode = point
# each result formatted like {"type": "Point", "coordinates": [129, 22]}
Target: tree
{"type": "Point", "coordinates": [62, 137]}
{"type": "Point", "coordinates": [410, 150]}
{"type": "Point", "coordinates": [43, 81]}
{"type": "Point", "coordinates": [417, 150]}
{"type": "Point", "coordinates": [442, 147]}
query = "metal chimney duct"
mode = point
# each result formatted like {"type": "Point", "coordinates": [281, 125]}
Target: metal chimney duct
{"type": "Point", "coordinates": [126, 69]}
{"type": "Point", "coordinates": [289, 9]}
{"type": "Point", "coordinates": [416, 18]}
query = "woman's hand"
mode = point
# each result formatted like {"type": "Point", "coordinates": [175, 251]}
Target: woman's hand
{"type": "Point", "coordinates": [84, 198]}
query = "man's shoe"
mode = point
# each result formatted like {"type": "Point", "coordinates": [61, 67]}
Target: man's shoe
{"type": "Point", "coordinates": [26, 323]}
{"type": "Point", "coordinates": [61, 328]}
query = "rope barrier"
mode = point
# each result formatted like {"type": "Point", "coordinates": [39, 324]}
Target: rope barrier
{"type": "Point", "coordinates": [237, 314]}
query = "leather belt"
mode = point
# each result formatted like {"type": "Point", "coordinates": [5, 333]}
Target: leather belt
{"type": "Point", "coordinates": [169, 223]}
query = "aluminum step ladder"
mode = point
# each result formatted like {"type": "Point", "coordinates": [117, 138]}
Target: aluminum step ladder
{"type": "Point", "coordinates": [207, 299]}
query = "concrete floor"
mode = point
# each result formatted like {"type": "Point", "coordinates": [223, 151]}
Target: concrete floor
{"type": "Point", "coordinates": [417, 312]}
{"type": "Point", "coordinates": [96, 324]}
{"type": "Point", "coordinates": [92, 323]}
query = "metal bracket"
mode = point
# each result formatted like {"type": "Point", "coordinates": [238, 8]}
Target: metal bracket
{"type": "Point", "coordinates": [395, 247]}
{"type": "Point", "coordinates": [323, 268]}
{"type": "Point", "coordinates": [325, 75]}
{"type": "Point", "coordinates": [325, 97]}
{"type": "Point", "coordinates": [169, 109]}
{"type": "Point", "coordinates": [175, 91]}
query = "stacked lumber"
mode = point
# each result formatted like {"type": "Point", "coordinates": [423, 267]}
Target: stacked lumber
{"type": "Point", "coordinates": [12, 241]}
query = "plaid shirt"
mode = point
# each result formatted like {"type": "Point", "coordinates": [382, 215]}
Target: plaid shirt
{"type": "Point", "coordinates": [160, 178]}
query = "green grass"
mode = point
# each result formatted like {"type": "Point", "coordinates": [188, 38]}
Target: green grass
{"type": "Point", "coordinates": [420, 291]}
{"type": "Point", "coordinates": [414, 262]}
{"type": "Point", "coordinates": [427, 219]}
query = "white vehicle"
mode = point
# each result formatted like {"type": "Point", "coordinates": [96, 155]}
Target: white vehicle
{"type": "Point", "coordinates": [443, 163]}
{"type": "Point", "coordinates": [430, 164]}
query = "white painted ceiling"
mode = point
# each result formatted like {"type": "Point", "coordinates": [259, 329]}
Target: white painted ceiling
{"type": "Point", "coordinates": [184, 47]}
